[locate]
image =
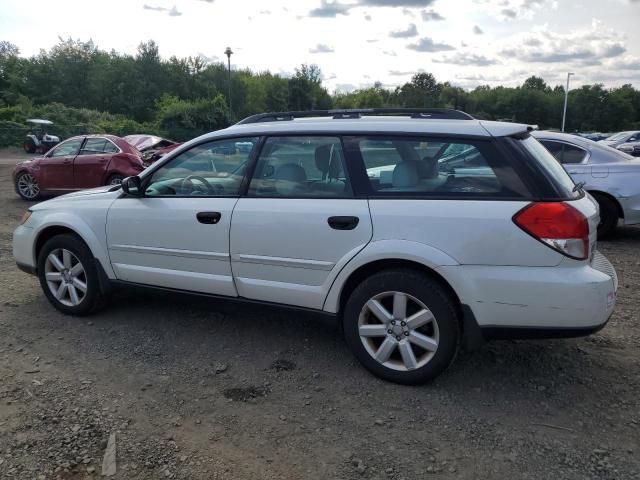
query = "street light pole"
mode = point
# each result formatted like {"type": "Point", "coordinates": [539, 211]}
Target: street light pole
{"type": "Point", "coordinates": [566, 98]}
{"type": "Point", "coordinates": [228, 53]}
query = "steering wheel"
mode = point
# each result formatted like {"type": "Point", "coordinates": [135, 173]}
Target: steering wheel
{"type": "Point", "coordinates": [189, 181]}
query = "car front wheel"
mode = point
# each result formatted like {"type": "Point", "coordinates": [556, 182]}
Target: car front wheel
{"type": "Point", "coordinates": [115, 179]}
{"type": "Point", "coordinates": [68, 275]}
{"type": "Point", "coordinates": [402, 326]}
{"type": "Point", "coordinates": [27, 186]}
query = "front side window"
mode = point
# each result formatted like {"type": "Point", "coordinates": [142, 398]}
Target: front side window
{"type": "Point", "coordinates": [70, 147]}
{"type": "Point", "coordinates": [213, 169]}
{"type": "Point", "coordinates": [432, 167]}
{"type": "Point", "coordinates": [298, 167]}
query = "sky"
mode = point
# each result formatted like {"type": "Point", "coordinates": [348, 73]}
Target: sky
{"type": "Point", "coordinates": [358, 42]}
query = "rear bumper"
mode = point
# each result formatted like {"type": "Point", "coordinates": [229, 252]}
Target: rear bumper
{"type": "Point", "coordinates": [538, 302]}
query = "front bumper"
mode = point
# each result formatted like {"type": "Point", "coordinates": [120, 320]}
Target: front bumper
{"type": "Point", "coordinates": [23, 251]}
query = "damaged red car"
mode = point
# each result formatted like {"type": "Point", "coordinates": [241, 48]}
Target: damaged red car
{"type": "Point", "coordinates": [78, 163]}
{"type": "Point", "coordinates": [151, 147]}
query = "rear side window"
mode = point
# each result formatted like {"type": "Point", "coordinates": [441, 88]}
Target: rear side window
{"type": "Point", "coordinates": [93, 146]}
{"type": "Point", "coordinates": [564, 152]}
{"type": "Point", "coordinates": [436, 167]}
{"type": "Point", "coordinates": [299, 167]}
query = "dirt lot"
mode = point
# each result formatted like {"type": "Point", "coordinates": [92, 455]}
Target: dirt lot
{"type": "Point", "coordinates": [201, 389]}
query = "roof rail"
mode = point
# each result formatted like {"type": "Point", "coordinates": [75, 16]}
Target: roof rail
{"type": "Point", "coordinates": [423, 113]}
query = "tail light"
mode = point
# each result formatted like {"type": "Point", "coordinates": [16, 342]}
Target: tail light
{"type": "Point", "coordinates": [558, 225]}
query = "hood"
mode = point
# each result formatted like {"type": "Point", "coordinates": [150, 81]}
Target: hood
{"type": "Point", "coordinates": [147, 142]}
{"type": "Point", "coordinates": [31, 162]}
{"type": "Point", "coordinates": [99, 193]}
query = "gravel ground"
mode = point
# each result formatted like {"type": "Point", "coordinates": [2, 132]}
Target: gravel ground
{"type": "Point", "coordinates": [201, 389]}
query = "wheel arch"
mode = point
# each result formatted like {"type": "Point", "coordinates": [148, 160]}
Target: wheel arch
{"type": "Point", "coordinates": [376, 266]}
{"type": "Point", "coordinates": [59, 226]}
{"type": "Point", "coordinates": [619, 209]}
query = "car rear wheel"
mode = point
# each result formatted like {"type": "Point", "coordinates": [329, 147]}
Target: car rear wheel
{"type": "Point", "coordinates": [68, 275]}
{"type": "Point", "coordinates": [27, 186]}
{"type": "Point", "coordinates": [608, 216]}
{"type": "Point", "coordinates": [115, 179]}
{"type": "Point", "coordinates": [29, 145]}
{"type": "Point", "coordinates": [402, 326]}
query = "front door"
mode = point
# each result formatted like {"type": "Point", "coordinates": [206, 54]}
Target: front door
{"type": "Point", "coordinates": [56, 169]}
{"type": "Point", "coordinates": [299, 224]}
{"type": "Point", "coordinates": [177, 234]}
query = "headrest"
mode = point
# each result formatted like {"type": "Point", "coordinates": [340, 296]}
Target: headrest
{"type": "Point", "coordinates": [405, 174]}
{"type": "Point", "coordinates": [291, 172]}
{"type": "Point", "coordinates": [323, 158]}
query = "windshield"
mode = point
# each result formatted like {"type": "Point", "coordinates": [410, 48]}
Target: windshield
{"type": "Point", "coordinates": [619, 136]}
{"type": "Point", "coordinates": [553, 168]}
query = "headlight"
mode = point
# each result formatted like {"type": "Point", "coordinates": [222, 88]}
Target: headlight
{"type": "Point", "coordinates": [25, 217]}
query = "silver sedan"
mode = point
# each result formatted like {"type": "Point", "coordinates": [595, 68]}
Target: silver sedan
{"type": "Point", "coordinates": [612, 177]}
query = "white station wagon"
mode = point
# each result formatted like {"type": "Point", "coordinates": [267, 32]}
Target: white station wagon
{"type": "Point", "coordinates": [420, 230]}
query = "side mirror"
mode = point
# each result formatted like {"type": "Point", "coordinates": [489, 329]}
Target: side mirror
{"type": "Point", "coordinates": [132, 186]}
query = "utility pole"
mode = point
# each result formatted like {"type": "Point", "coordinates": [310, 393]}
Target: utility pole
{"type": "Point", "coordinates": [228, 52]}
{"type": "Point", "coordinates": [566, 98]}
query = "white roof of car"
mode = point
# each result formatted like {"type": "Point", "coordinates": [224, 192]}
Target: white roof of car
{"type": "Point", "coordinates": [378, 124]}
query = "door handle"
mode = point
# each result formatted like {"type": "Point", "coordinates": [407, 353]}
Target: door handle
{"type": "Point", "coordinates": [208, 218]}
{"type": "Point", "coordinates": [67, 161]}
{"type": "Point", "coordinates": [343, 223]}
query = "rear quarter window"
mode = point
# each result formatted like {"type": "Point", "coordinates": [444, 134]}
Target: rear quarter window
{"type": "Point", "coordinates": [554, 172]}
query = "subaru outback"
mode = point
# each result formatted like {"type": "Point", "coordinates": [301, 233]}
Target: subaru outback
{"type": "Point", "coordinates": [421, 230]}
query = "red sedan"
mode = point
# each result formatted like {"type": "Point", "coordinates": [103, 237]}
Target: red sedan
{"type": "Point", "coordinates": [75, 164]}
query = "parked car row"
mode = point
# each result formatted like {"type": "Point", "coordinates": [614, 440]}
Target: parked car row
{"type": "Point", "coordinates": [419, 230]}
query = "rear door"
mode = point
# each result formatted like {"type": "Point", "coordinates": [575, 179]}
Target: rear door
{"type": "Point", "coordinates": [57, 167]}
{"type": "Point", "coordinates": [90, 165]}
{"type": "Point", "coordinates": [299, 223]}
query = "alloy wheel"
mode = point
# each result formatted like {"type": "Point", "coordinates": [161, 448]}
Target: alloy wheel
{"type": "Point", "coordinates": [66, 277]}
{"type": "Point", "coordinates": [28, 186]}
{"type": "Point", "coordinates": [115, 181]}
{"type": "Point", "coordinates": [398, 331]}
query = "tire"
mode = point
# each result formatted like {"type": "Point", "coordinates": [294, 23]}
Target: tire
{"type": "Point", "coordinates": [54, 274]}
{"type": "Point", "coordinates": [115, 179]}
{"type": "Point", "coordinates": [27, 186]}
{"type": "Point", "coordinates": [608, 216]}
{"type": "Point", "coordinates": [29, 145]}
{"type": "Point", "coordinates": [438, 327]}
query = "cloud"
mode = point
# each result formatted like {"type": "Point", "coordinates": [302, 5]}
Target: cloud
{"type": "Point", "coordinates": [391, 53]}
{"type": "Point", "coordinates": [154, 8]}
{"type": "Point", "coordinates": [410, 31]}
{"type": "Point", "coordinates": [397, 3]}
{"type": "Point", "coordinates": [265, 12]}
{"type": "Point", "coordinates": [509, 12]}
{"type": "Point", "coordinates": [373, 40]}
{"type": "Point", "coordinates": [399, 73]}
{"type": "Point", "coordinates": [426, 44]}
{"type": "Point", "coordinates": [367, 17]}
{"type": "Point", "coordinates": [431, 15]}
{"type": "Point", "coordinates": [345, 87]}
{"type": "Point", "coordinates": [172, 12]}
{"type": "Point", "coordinates": [330, 10]}
{"type": "Point", "coordinates": [477, 30]}
{"type": "Point", "coordinates": [467, 59]}
{"type": "Point", "coordinates": [321, 48]}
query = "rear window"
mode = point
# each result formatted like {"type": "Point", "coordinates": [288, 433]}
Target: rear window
{"type": "Point", "coordinates": [554, 171]}
{"type": "Point", "coordinates": [434, 167]}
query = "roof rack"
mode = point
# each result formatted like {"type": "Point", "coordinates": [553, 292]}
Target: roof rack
{"type": "Point", "coordinates": [421, 113]}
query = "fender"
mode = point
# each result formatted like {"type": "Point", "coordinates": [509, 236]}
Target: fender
{"type": "Point", "coordinates": [386, 250]}
{"type": "Point", "coordinates": [81, 228]}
